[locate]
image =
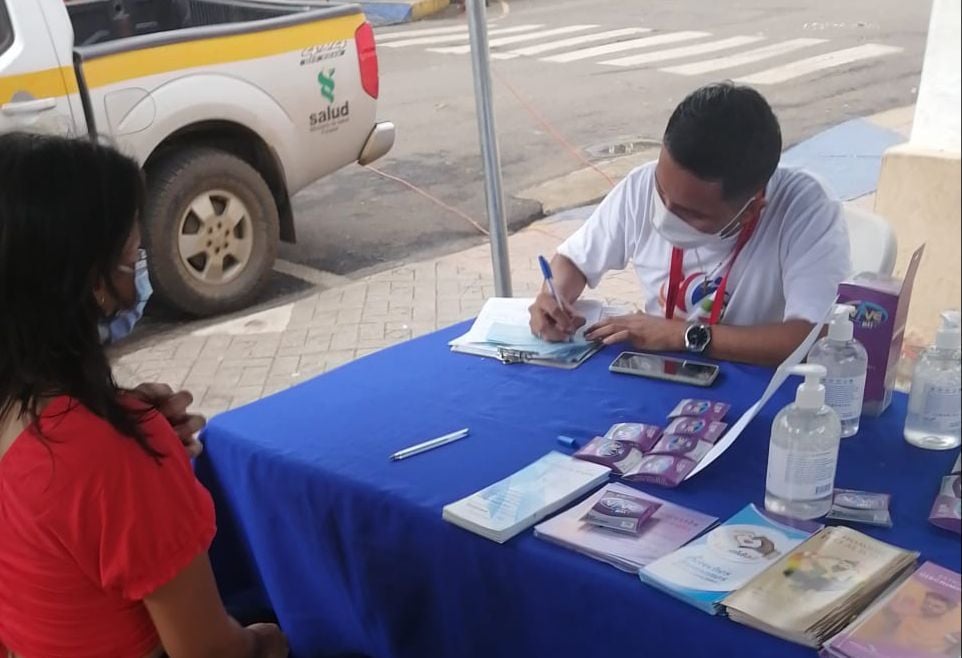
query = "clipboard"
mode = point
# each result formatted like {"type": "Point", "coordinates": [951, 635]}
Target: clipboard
{"type": "Point", "coordinates": [509, 356]}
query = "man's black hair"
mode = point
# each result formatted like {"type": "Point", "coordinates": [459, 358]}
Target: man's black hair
{"type": "Point", "coordinates": [726, 133]}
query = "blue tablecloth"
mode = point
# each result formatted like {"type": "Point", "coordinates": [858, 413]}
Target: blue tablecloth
{"type": "Point", "coordinates": [353, 555]}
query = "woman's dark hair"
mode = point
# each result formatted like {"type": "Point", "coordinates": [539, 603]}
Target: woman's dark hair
{"type": "Point", "coordinates": [726, 133]}
{"type": "Point", "coordinates": [67, 209]}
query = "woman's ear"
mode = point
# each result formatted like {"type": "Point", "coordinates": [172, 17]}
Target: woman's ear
{"type": "Point", "coordinates": [102, 296]}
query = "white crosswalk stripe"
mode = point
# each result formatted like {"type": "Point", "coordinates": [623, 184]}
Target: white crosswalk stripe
{"type": "Point", "coordinates": [454, 38]}
{"type": "Point", "coordinates": [405, 34]}
{"type": "Point", "coordinates": [741, 59]}
{"type": "Point", "coordinates": [818, 63]}
{"type": "Point", "coordinates": [531, 36]}
{"type": "Point", "coordinates": [621, 46]}
{"type": "Point", "coordinates": [685, 51]}
{"type": "Point", "coordinates": [568, 43]}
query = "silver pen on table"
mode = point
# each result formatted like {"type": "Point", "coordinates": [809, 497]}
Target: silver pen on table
{"type": "Point", "coordinates": [429, 445]}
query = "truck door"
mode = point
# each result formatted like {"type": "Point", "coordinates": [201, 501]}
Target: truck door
{"type": "Point", "coordinates": [34, 85]}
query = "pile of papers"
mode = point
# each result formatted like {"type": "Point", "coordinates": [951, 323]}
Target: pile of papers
{"type": "Point", "coordinates": [670, 527]}
{"type": "Point", "coordinates": [516, 503]}
{"type": "Point", "coordinates": [918, 618]}
{"type": "Point", "coordinates": [502, 331]}
{"type": "Point", "coordinates": [819, 588]}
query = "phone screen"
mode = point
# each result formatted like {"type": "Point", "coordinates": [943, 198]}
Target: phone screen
{"type": "Point", "coordinates": [663, 367]}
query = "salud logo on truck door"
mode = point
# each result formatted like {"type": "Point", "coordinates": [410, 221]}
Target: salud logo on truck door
{"type": "Point", "coordinates": [331, 117]}
{"type": "Point", "coordinates": [326, 81]}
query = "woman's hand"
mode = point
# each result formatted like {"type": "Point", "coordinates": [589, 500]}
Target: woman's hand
{"type": "Point", "coordinates": [271, 642]}
{"type": "Point", "coordinates": [174, 407]}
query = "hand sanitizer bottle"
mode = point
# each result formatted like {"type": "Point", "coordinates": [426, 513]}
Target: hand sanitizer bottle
{"type": "Point", "coordinates": [803, 452]}
{"type": "Point", "coordinates": [846, 362]}
{"type": "Point", "coordinates": [933, 419]}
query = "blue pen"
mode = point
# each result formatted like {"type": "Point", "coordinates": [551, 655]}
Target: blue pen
{"type": "Point", "coordinates": [549, 281]}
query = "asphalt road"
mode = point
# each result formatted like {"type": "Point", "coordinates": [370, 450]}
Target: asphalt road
{"type": "Point", "coordinates": [355, 220]}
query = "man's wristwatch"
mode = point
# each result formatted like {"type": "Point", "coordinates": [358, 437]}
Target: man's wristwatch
{"type": "Point", "coordinates": [697, 337]}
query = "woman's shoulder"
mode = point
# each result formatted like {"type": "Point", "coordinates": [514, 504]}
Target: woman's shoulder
{"type": "Point", "coordinates": [70, 436]}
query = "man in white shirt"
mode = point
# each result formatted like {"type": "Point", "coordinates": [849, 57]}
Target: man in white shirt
{"type": "Point", "coordinates": [737, 257]}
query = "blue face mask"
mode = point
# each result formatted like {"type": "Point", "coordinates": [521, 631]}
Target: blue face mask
{"type": "Point", "coordinates": [122, 323]}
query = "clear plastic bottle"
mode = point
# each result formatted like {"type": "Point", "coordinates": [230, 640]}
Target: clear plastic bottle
{"type": "Point", "coordinates": [934, 419]}
{"type": "Point", "coordinates": [846, 364]}
{"type": "Point", "coordinates": [803, 453]}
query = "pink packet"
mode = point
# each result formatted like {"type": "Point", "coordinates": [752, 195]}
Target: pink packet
{"type": "Point", "coordinates": [662, 469]}
{"type": "Point", "coordinates": [708, 410]}
{"type": "Point", "coordinates": [699, 428]}
{"type": "Point", "coordinates": [644, 436]}
{"type": "Point", "coordinates": [684, 446]}
{"type": "Point", "coordinates": [619, 456]}
{"type": "Point", "coordinates": [947, 509]}
{"type": "Point", "coordinates": [621, 512]}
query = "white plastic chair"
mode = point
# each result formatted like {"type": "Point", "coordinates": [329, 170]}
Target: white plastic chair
{"type": "Point", "coordinates": [874, 245]}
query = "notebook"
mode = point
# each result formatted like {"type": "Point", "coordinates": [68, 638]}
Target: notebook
{"type": "Point", "coordinates": [669, 528]}
{"type": "Point", "coordinates": [501, 332]}
{"type": "Point", "coordinates": [504, 509]}
{"type": "Point", "coordinates": [705, 571]}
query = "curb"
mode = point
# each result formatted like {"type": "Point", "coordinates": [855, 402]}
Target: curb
{"type": "Point", "coordinates": [381, 13]}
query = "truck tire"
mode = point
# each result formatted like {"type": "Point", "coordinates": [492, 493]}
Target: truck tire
{"type": "Point", "coordinates": [211, 231]}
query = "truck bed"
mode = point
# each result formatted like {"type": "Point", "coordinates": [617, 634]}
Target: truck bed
{"type": "Point", "coordinates": [101, 21]}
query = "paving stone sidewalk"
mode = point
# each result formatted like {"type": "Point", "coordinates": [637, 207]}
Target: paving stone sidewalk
{"type": "Point", "coordinates": [244, 358]}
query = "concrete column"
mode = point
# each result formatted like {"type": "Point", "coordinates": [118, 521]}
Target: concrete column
{"type": "Point", "coordinates": [919, 185]}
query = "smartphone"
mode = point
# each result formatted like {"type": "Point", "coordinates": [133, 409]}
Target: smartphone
{"type": "Point", "coordinates": [658, 366]}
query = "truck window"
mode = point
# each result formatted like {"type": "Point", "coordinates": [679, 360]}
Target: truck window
{"type": "Point", "coordinates": [6, 29]}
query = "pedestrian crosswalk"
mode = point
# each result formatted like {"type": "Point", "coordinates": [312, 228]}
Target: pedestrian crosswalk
{"type": "Point", "coordinates": [751, 59]}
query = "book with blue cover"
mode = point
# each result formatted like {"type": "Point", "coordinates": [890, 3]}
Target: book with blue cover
{"type": "Point", "coordinates": [502, 510]}
{"type": "Point", "coordinates": [708, 569]}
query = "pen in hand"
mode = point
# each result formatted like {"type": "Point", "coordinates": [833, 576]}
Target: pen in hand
{"type": "Point", "coordinates": [549, 282]}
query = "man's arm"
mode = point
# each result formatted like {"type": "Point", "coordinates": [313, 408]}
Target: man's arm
{"type": "Point", "coordinates": [550, 321]}
{"type": "Point", "coordinates": [768, 344]}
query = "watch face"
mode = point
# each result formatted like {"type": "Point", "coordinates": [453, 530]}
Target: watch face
{"type": "Point", "coordinates": [698, 337]}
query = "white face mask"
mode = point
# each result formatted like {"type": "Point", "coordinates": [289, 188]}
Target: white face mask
{"type": "Point", "coordinates": [683, 235]}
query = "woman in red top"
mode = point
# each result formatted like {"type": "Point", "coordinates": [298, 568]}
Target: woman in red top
{"type": "Point", "coordinates": [104, 529]}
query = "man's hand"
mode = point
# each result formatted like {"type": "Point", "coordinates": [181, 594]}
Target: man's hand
{"type": "Point", "coordinates": [552, 322]}
{"type": "Point", "coordinates": [174, 407]}
{"type": "Point", "coordinates": [644, 332]}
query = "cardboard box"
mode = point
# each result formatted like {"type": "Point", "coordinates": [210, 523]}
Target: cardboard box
{"type": "Point", "coordinates": [881, 308]}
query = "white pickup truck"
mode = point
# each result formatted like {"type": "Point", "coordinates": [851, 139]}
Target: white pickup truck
{"type": "Point", "coordinates": [230, 106]}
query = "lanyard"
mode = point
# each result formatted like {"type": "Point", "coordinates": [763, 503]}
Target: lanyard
{"type": "Point", "coordinates": [677, 273]}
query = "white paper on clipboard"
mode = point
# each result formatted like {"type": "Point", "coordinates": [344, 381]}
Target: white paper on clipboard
{"type": "Point", "coordinates": [781, 375]}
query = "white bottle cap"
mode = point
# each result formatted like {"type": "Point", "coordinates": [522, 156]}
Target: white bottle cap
{"type": "Point", "coordinates": [948, 336]}
{"type": "Point", "coordinates": [811, 394]}
{"type": "Point", "coordinates": [841, 328]}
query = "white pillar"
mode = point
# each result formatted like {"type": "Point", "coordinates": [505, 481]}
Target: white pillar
{"type": "Point", "coordinates": [938, 110]}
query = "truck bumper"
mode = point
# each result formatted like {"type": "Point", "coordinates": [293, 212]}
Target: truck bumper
{"type": "Point", "coordinates": [378, 143]}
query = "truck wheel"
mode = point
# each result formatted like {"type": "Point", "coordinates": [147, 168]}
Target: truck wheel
{"type": "Point", "coordinates": [211, 231]}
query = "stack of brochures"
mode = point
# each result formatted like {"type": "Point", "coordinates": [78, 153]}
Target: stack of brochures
{"type": "Point", "coordinates": [504, 509]}
{"type": "Point", "coordinates": [705, 571]}
{"type": "Point", "coordinates": [502, 331]}
{"type": "Point", "coordinates": [917, 618]}
{"type": "Point", "coordinates": [670, 527]}
{"type": "Point", "coordinates": [819, 588]}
